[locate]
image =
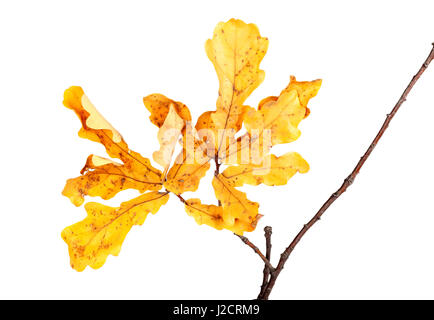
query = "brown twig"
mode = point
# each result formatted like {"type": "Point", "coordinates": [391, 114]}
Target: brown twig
{"type": "Point", "coordinates": [257, 251]}
{"type": "Point", "coordinates": [347, 182]}
{"type": "Point", "coordinates": [217, 171]}
{"type": "Point", "coordinates": [268, 231]}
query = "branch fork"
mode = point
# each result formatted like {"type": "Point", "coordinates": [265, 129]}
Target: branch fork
{"type": "Point", "coordinates": [271, 273]}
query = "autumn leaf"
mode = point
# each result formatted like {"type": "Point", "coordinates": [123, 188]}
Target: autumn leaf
{"type": "Point", "coordinates": [214, 216]}
{"type": "Point", "coordinates": [306, 90]}
{"type": "Point", "coordinates": [273, 171]}
{"type": "Point", "coordinates": [282, 115]}
{"type": "Point", "coordinates": [210, 215]}
{"type": "Point", "coordinates": [237, 209]}
{"type": "Point", "coordinates": [209, 132]}
{"type": "Point", "coordinates": [103, 177]}
{"type": "Point", "coordinates": [104, 229]}
{"type": "Point", "coordinates": [159, 106]}
{"type": "Point", "coordinates": [236, 50]}
{"type": "Point", "coordinates": [190, 165]}
{"type": "Point", "coordinates": [168, 136]}
{"type": "Point", "coordinates": [275, 121]}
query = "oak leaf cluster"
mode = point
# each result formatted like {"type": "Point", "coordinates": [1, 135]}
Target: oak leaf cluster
{"type": "Point", "coordinates": [235, 136]}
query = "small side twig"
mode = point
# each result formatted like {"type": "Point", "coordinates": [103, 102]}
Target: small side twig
{"type": "Point", "coordinates": [257, 251]}
{"type": "Point", "coordinates": [268, 231]}
{"type": "Point", "coordinates": [348, 181]}
{"type": "Point", "coordinates": [217, 172]}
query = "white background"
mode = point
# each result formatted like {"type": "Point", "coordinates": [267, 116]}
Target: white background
{"type": "Point", "coordinates": [376, 241]}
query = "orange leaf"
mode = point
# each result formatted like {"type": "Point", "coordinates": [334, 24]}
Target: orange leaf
{"type": "Point", "coordinates": [159, 107]}
{"type": "Point", "coordinates": [274, 122]}
{"type": "Point", "coordinates": [213, 216]}
{"type": "Point", "coordinates": [239, 213]}
{"type": "Point", "coordinates": [168, 136]}
{"type": "Point", "coordinates": [273, 171]}
{"type": "Point", "coordinates": [210, 215]}
{"type": "Point", "coordinates": [106, 178]}
{"type": "Point", "coordinates": [190, 165]}
{"type": "Point", "coordinates": [236, 50]}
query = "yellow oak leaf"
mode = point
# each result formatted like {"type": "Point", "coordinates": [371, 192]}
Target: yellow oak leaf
{"type": "Point", "coordinates": [159, 106]}
{"type": "Point", "coordinates": [237, 209]}
{"type": "Point", "coordinates": [274, 122]}
{"type": "Point", "coordinates": [190, 165]}
{"type": "Point", "coordinates": [210, 215]}
{"type": "Point", "coordinates": [105, 178]}
{"type": "Point", "coordinates": [306, 90]}
{"type": "Point", "coordinates": [236, 51]}
{"type": "Point", "coordinates": [208, 131]}
{"type": "Point", "coordinates": [213, 216]}
{"type": "Point", "coordinates": [104, 229]}
{"type": "Point", "coordinates": [186, 176]}
{"type": "Point", "coordinates": [273, 171]}
{"type": "Point", "coordinates": [137, 170]}
{"type": "Point", "coordinates": [282, 115]}
{"type": "Point", "coordinates": [168, 136]}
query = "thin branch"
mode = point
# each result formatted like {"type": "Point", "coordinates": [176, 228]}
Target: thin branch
{"type": "Point", "coordinates": [348, 181]}
{"type": "Point", "coordinates": [257, 251]}
{"type": "Point", "coordinates": [217, 165]}
{"type": "Point", "coordinates": [217, 171]}
{"type": "Point", "coordinates": [268, 231]}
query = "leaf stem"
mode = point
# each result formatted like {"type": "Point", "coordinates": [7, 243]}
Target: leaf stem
{"type": "Point", "coordinates": [266, 273]}
{"type": "Point", "coordinates": [217, 172]}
